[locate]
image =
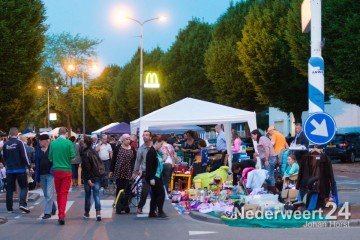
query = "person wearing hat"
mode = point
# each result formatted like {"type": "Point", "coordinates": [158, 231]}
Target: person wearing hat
{"type": "Point", "coordinates": [277, 139]}
{"type": "Point", "coordinates": [44, 174]}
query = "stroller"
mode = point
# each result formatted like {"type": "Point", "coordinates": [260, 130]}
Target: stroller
{"type": "Point", "coordinates": [125, 196]}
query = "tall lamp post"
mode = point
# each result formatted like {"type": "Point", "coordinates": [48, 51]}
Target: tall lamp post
{"type": "Point", "coordinates": [48, 104]}
{"type": "Point", "coordinates": [71, 68]}
{"type": "Point", "coordinates": [141, 55]}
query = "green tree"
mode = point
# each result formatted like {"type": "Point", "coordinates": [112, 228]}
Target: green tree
{"type": "Point", "coordinates": [124, 103]}
{"type": "Point", "coordinates": [119, 107]}
{"type": "Point", "coordinates": [99, 94]}
{"type": "Point", "coordinates": [298, 42]}
{"type": "Point", "coordinates": [22, 40]}
{"type": "Point", "coordinates": [341, 53]}
{"type": "Point", "coordinates": [263, 52]}
{"type": "Point", "coordinates": [222, 62]}
{"type": "Point", "coordinates": [183, 66]}
{"type": "Point", "coordinates": [61, 51]}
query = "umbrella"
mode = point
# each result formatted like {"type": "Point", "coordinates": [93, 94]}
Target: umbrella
{"type": "Point", "coordinates": [55, 132]}
{"type": "Point", "coordinates": [29, 135]}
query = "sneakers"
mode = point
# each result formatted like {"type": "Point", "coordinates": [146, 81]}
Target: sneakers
{"type": "Point", "coordinates": [162, 216]}
{"type": "Point", "coordinates": [98, 218]}
{"type": "Point", "coordinates": [10, 211]}
{"type": "Point", "coordinates": [86, 215]}
{"type": "Point", "coordinates": [24, 209]}
{"type": "Point", "coordinates": [46, 216]}
{"type": "Point", "coordinates": [152, 215]}
{"type": "Point", "coordinates": [61, 221]}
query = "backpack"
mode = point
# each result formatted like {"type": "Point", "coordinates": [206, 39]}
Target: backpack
{"type": "Point", "coordinates": [97, 165]}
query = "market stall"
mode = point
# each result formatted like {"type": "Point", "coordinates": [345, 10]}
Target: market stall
{"type": "Point", "coordinates": [190, 111]}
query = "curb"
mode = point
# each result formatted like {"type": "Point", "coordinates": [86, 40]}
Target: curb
{"type": "Point", "coordinates": [205, 218]}
{"type": "Point", "coordinates": [32, 197]}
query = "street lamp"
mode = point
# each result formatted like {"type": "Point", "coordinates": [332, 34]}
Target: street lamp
{"type": "Point", "coordinates": [71, 68]}
{"type": "Point", "coordinates": [48, 104]}
{"type": "Point", "coordinates": [141, 55]}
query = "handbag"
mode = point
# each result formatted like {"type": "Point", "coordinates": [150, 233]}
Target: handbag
{"type": "Point", "coordinates": [173, 158]}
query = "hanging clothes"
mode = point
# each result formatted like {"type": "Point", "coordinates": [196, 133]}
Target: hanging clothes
{"type": "Point", "coordinates": [316, 164]}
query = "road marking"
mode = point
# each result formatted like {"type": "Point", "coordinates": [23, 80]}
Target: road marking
{"type": "Point", "coordinates": [192, 233]}
{"type": "Point", "coordinates": [106, 209]}
{"type": "Point", "coordinates": [55, 217]}
{"type": "Point", "coordinates": [38, 191]}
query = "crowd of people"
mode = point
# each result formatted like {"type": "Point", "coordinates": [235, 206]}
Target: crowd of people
{"type": "Point", "coordinates": [54, 164]}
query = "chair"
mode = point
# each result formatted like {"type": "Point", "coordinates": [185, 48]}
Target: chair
{"type": "Point", "coordinates": [290, 195]}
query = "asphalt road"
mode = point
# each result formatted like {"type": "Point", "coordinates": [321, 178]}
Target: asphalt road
{"type": "Point", "coordinates": [177, 227]}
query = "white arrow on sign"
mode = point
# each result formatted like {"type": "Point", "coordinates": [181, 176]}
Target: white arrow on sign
{"type": "Point", "coordinates": [320, 129]}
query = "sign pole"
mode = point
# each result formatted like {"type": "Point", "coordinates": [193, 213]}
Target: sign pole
{"type": "Point", "coordinates": [316, 62]}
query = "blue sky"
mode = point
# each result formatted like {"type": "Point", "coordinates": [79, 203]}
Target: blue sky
{"type": "Point", "coordinates": [94, 18]}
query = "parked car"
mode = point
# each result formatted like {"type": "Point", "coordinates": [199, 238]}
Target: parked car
{"type": "Point", "coordinates": [345, 147]}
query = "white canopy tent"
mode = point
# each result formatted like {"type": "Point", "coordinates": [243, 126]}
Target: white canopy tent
{"type": "Point", "coordinates": [105, 128]}
{"type": "Point", "coordinates": [189, 111]}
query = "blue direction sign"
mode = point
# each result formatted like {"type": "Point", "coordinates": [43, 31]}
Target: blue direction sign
{"type": "Point", "coordinates": [319, 128]}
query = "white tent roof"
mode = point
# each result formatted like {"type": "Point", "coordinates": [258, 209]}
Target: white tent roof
{"type": "Point", "coordinates": [55, 132]}
{"type": "Point", "coordinates": [104, 128]}
{"type": "Point", "coordinates": [190, 111]}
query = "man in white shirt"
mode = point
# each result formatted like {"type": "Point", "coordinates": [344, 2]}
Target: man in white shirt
{"type": "Point", "coordinates": [105, 153]}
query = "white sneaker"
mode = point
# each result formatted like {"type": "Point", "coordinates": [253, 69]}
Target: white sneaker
{"type": "Point", "coordinates": [24, 209]}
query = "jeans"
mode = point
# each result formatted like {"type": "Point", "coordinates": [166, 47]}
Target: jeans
{"type": "Point", "coordinates": [96, 194]}
{"type": "Point", "coordinates": [75, 168]}
{"type": "Point", "coordinates": [24, 186]}
{"type": "Point", "coordinates": [166, 174]}
{"type": "Point", "coordinates": [62, 186]}
{"type": "Point", "coordinates": [48, 187]}
{"type": "Point", "coordinates": [272, 162]}
{"type": "Point", "coordinates": [105, 178]}
{"type": "Point", "coordinates": [2, 184]}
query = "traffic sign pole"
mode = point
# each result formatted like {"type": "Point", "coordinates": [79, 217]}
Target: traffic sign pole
{"type": "Point", "coordinates": [316, 62]}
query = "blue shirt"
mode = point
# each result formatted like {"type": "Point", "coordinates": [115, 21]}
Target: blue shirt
{"type": "Point", "coordinates": [221, 142]}
{"type": "Point", "coordinates": [204, 157]}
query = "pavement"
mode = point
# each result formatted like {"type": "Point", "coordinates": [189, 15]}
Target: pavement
{"type": "Point", "coordinates": [349, 170]}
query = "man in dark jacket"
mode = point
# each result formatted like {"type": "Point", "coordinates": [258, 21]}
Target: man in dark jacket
{"type": "Point", "coordinates": [16, 162]}
{"type": "Point", "coordinates": [300, 139]}
{"type": "Point", "coordinates": [44, 175]}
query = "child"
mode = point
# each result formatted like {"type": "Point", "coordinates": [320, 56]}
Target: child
{"type": "Point", "coordinates": [292, 168]}
{"type": "Point", "coordinates": [2, 177]}
{"type": "Point", "coordinates": [204, 155]}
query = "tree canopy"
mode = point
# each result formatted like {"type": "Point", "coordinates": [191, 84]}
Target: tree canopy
{"type": "Point", "coordinates": [183, 65]}
{"type": "Point", "coordinates": [22, 39]}
{"type": "Point", "coordinates": [222, 63]}
{"type": "Point", "coordinates": [264, 54]}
